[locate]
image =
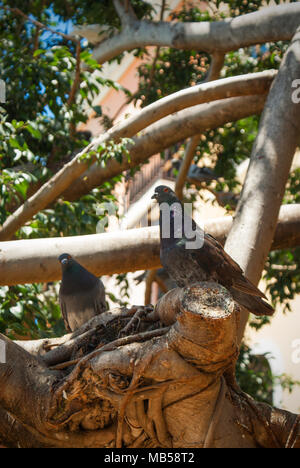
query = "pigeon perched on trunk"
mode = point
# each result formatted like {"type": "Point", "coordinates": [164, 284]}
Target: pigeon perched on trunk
{"type": "Point", "coordinates": [207, 261]}
{"type": "Point", "coordinates": [81, 294]}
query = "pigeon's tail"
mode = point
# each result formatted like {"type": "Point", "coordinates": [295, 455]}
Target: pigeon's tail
{"type": "Point", "coordinates": [254, 304]}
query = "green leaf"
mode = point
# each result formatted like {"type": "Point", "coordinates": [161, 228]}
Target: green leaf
{"type": "Point", "coordinates": [34, 131]}
{"type": "Point", "coordinates": [98, 110]}
{"type": "Point", "coordinates": [17, 310]}
{"type": "Point", "coordinates": [38, 52]}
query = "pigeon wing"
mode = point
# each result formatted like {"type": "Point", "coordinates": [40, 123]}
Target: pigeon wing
{"type": "Point", "coordinates": [63, 309]}
{"type": "Point", "coordinates": [213, 257]}
{"type": "Point", "coordinates": [99, 298]}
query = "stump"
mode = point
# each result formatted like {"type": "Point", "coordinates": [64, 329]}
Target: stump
{"type": "Point", "coordinates": [139, 377]}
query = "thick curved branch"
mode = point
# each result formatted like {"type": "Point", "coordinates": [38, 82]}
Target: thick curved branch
{"type": "Point", "coordinates": [150, 278]}
{"type": "Point", "coordinates": [21, 375]}
{"type": "Point", "coordinates": [185, 165]}
{"type": "Point", "coordinates": [118, 375]}
{"type": "Point", "coordinates": [161, 387]}
{"type": "Point", "coordinates": [216, 66]}
{"type": "Point", "coordinates": [213, 74]}
{"type": "Point", "coordinates": [242, 85]}
{"type": "Point", "coordinates": [124, 11]}
{"type": "Point", "coordinates": [269, 24]}
{"type": "Point", "coordinates": [165, 133]}
{"type": "Point", "coordinates": [30, 261]}
{"type": "Point", "coordinates": [75, 168]}
{"type": "Point", "coordinates": [270, 164]}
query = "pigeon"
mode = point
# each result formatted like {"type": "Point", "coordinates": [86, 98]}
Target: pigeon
{"type": "Point", "coordinates": [81, 294]}
{"type": "Point", "coordinates": [201, 174]}
{"type": "Point", "coordinates": [191, 256]}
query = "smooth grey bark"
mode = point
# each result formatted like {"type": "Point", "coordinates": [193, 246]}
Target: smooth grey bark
{"type": "Point", "coordinates": [35, 260]}
{"type": "Point", "coordinates": [270, 163]}
{"type": "Point", "coordinates": [269, 24]}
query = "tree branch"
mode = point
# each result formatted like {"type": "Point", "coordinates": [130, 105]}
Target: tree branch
{"type": "Point", "coordinates": [185, 165]}
{"type": "Point", "coordinates": [21, 375]}
{"type": "Point", "coordinates": [76, 167]}
{"type": "Point", "coordinates": [167, 132]}
{"type": "Point", "coordinates": [75, 86]}
{"type": "Point", "coordinates": [36, 40]}
{"type": "Point", "coordinates": [213, 74]}
{"type": "Point", "coordinates": [156, 56]}
{"type": "Point", "coordinates": [76, 81]}
{"type": "Point", "coordinates": [270, 164]}
{"type": "Point", "coordinates": [40, 25]}
{"type": "Point", "coordinates": [125, 12]}
{"type": "Point", "coordinates": [35, 260]}
{"type": "Point", "coordinates": [266, 25]}
{"type": "Point", "coordinates": [120, 9]}
{"type": "Point", "coordinates": [216, 66]}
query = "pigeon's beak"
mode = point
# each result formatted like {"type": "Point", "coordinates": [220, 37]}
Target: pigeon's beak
{"type": "Point", "coordinates": [154, 196]}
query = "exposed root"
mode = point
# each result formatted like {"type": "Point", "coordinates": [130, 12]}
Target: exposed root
{"type": "Point", "coordinates": [100, 330]}
{"type": "Point", "coordinates": [124, 381]}
{"type": "Point", "coordinates": [134, 323]}
{"type": "Point", "coordinates": [113, 345]}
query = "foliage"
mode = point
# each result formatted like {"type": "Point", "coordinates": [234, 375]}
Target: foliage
{"type": "Point", "coordinates": [122, 286]}
{"type": "Point", "coordinates": [255, 377]}
{"type": "Point", "coordinates": [109, 150]}
{"type": "Point", "coordinates": [30, 311]}
{"type": "Point", "coordinates": [172, 69]}
{"type": "Point", "coordinates": [283, 266]}
{"type": "Point", "coordinates": [37, 137]}
{"type": "Point", "coordinates": [283, 275]}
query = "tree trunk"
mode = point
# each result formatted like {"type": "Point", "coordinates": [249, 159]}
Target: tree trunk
{"type": "Point", "coordinates": [270, 163]}
{"type": "Point", "coordinates": [139, 378]}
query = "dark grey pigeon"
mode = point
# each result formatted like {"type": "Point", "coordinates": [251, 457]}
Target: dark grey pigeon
{"type": "Point", "coordinates": [81, 294]}
{"type": "Point", "coordinates": [208, 262]}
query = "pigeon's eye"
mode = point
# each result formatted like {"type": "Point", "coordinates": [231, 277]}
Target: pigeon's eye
{"type": "Point", "coordinates": [166, 189]}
